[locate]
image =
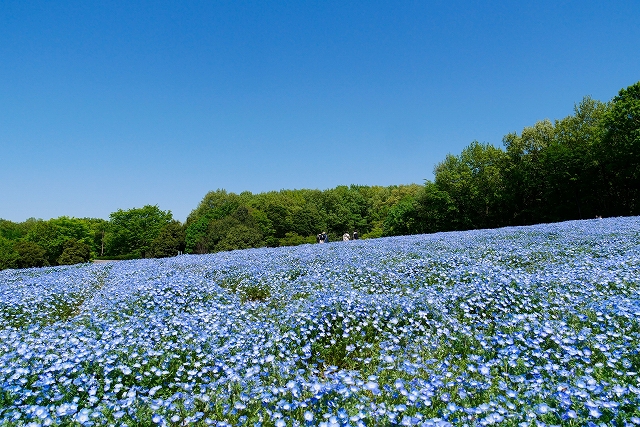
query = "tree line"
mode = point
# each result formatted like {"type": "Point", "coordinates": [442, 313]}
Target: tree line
{"type": "Point", "coordinates": [582, 166]}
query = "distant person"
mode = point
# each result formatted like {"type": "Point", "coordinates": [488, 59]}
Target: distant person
{"type": "Point", "coordinates": [324, 237]}
{"type": "Point", "coordinates": [355, 235]}
{"type": "Point", "coordinates": [319, 238]}
{"type": "Point", "coordinates": [345, 237]}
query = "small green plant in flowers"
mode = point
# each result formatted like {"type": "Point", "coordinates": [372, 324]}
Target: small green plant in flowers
{"type": "Point", "coordinates": [523, 326]}
{"type": "Point", "coordinates": [255, 292]}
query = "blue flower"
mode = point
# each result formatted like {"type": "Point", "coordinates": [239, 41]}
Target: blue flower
{"type": "Point", "coordinates": [418, 327]}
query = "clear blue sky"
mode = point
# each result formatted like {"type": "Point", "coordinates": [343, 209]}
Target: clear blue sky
{"type": "Point", "coordinates": [114, 105]}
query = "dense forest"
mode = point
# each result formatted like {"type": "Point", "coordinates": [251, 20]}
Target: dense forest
{"type": "Point", "coordinates": [582, 166]}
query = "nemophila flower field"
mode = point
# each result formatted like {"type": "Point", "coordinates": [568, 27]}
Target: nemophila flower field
{"type": "Point", "coordinates": [517, 326]}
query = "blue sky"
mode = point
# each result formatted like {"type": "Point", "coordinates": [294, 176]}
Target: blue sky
{"type": "Point", "coordinates": [114, 105]}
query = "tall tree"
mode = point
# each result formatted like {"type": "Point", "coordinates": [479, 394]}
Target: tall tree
{"type": "Point", "coordinates": [133, 230]}
{"type": "Point", "coordinates": [435, 210]}
{"type": "Point", "coordinates": [11, 230]}
{"type": "Point", "coordinates": [619, 152]}
{"type": "Point", "coordinates": [570, 165]}
{"type": "Point", "coordinates": [169, 241]}
{"type": "Point", "coordinates": [474, 182]}
{"type": "Point", "coordinates": [51, 235]}
{"type": "Point", "coordinates": [214, 206]}
{"type": "Point", "coordinates": [8, 255]}
{"type": "Point", "coordinates": [524, 174]}
{"type": "Point", "coordinates": [236, 231]}
{"type": "Point", "coordinates": [401, 218]}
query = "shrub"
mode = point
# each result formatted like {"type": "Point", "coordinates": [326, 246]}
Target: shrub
{"type": "Point", "coordinates": [255, 292]}
{"type": "Point", "coordinates": [169, 242]}
{"type": "Point", "coordinates": [30, 255]}
{"type": "Point", "coordinates": [294, 239]}
{"type": "Point", "coordinates": [74, 252]}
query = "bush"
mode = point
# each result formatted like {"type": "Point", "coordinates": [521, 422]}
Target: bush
{"type": "Point", "coordinates": [169, 242]}
{"type": "Point", "coordinates": [30, 255]}
{"type": "Point", "coordinates": [124, 257]}
{"type": "Point", "coordinates": [294, 239]}
{"type": "Point", "coordinates": [74, 252]}
{"type": "Point", "coordinates": [255, 292]}
{"type": "Point", "coordinates": [240, 237]}
{"type": "Point", "coordinates": [374, 233]}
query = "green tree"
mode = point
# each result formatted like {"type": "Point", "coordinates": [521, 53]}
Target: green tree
{"type": "Point", "coordinates": [8, 255]}
{"type": "Point", "coordinates": [401, 218]}
{"type": "Point", "coordinates": [346, 210]}
{"type": "Point", "coordinates": [74, 252]}
{"type": "Point", "coordinates": [279, 217]}
{"type": "Point", "coordinates": [474, 182]}
{"type": "Point", "coordinates": [524, 173]}
{"type": "Point", "coordinates": [196, 235]}
{"type": "Point", "coordinates": [169, 241]}
{"type": "Point", "coordinates": [51, 235]}
{"type": "Point", "coordinates": [239, 236]}
{"type": "Point", "coordinates": [570, 166]}
{"type": "Point", "coordinates": [10, 230]}
{"type": "Point", "coordinates": [230, 233]}
{"type": "Point", "coordinates": [294, 239]}
{"type": "Point", "coordinates": [98, 230]}
{"type": "Point", "coordinates": [133, 230]}
{"type": "Point", "coordinates": [435, 210]}
{"type": "Point", "coordinates": [307, 221]}
{"type": "Point", "coordinates": [30, 255]}
{"type": "Point", "coordinates": [380, 201]}
{"type": "Point", "coordinates": [215, 206]}
{"type": "Point", "coordinates": [262, 222]}
{"type": "Point", "coordinates": [619, 152]}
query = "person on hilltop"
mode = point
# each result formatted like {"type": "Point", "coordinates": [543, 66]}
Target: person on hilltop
{"type": "Point", "coordinates": [345, 237]}
{"type": "Point", "coordinates": [355, 235]}
{"type": "Point", "coordinates": [319, 238]}
{"type": "Point", "coordinates": [324, 238]}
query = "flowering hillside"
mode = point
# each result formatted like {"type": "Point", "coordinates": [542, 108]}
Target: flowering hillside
{"type": "Point", "coordinates": [516, 326]}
